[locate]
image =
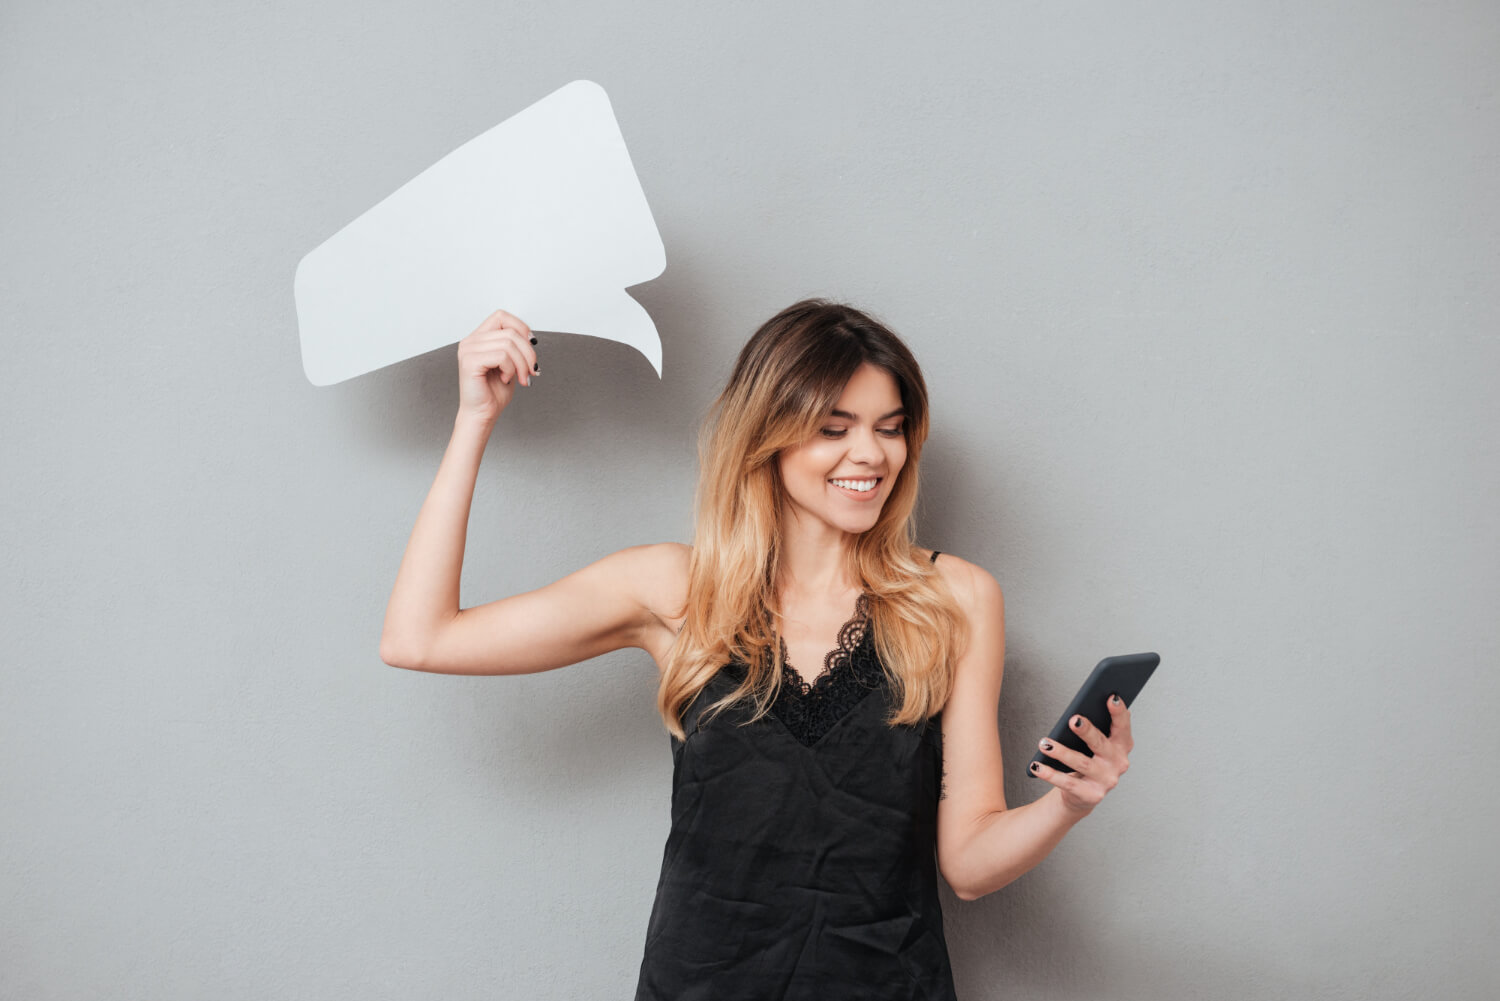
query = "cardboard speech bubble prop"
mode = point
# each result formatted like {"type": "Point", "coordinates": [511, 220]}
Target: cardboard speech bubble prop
{"type": "Point", "coordinates": [542, 216]}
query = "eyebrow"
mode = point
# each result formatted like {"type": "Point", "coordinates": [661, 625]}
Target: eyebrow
{"type": "Point", "coordinates": [846, 415]}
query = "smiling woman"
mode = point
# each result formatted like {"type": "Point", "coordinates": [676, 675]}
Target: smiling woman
{"type": "Point", "coordinates": [830, 688]}
{"type": "Point", "coordinates": [822, 392]}
{"type": "Point", "coordinates": [857, 458]}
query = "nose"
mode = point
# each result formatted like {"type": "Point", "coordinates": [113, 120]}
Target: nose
{"type": "Point", "coordinates": [864, 448]}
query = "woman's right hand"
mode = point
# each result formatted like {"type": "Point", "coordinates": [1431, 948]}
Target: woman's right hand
{"type": "Point", "coordinates": [490, 361]}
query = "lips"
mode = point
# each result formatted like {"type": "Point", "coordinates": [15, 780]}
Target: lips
{"type": "Point", "coordinates": [858, 495]}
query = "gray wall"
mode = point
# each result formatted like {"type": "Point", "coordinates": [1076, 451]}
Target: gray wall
{"type": "Point", "coordinates": [1207, 298]}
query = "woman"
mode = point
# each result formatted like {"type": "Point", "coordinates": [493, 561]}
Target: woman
{"type": "Point", "coordinates": [811, 809]}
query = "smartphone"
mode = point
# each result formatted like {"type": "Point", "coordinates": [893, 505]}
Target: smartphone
{"type": "Point", "coordinates": [1124, 676]}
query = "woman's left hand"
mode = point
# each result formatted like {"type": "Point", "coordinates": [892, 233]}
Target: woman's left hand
{"type": "Point", "coordinates": [1092, 777]}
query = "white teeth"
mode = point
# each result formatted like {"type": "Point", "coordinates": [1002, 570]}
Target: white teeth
{"type": "Point", "coordinates": [860, 485]}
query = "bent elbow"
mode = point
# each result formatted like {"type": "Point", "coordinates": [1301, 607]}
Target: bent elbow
{"type": "Point", "coordinates": [965, 892]}
{"type": "Point", "coordinates": [397, 656]}
{"type": "Point", "coordinates": [958, 881]}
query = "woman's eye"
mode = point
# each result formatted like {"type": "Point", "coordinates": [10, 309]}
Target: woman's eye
{"type": "Point", "coordinates": [893, 432]}
{"type": "Point", "coordinates": [833, 432]}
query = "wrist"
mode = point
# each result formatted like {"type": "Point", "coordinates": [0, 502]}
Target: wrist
{"type": "Point", "coordinates": [1062, 812]}
{"type": "Point", "coordinates": [472, 423]}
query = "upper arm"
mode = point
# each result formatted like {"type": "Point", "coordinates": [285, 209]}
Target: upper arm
{"type": "Point", "coordinates": [973, 778]}
{"type": "Point", "coordinates": [607, 605]}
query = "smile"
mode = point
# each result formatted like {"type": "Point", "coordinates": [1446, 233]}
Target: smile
{"type": "Point", "coordinates": [857, 488]}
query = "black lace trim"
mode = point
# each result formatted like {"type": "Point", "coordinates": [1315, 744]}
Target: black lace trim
{"type": "Point", "coordinates": [851, 671]}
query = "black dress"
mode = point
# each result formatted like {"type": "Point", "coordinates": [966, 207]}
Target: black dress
{"type": "Point", "coordinates": [801, 860]}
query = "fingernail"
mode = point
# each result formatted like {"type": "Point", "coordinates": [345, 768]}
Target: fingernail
{"type": "Point", "coordinates": [537, 368]}
{"type": "Point", "coordinates": [533, 340]}
{"type": "Point", "coordinates": [1046, 745]}
{"type": "Point", "coordinates": [1115, 699]}
{"type": "Point", "coordinates": [1034, 767]}
{"type": "Point", "coordinates": [1078, 722]}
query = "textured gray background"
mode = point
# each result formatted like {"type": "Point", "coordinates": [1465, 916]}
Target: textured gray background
{"type": "Point", "coordinates": [1207, 298]}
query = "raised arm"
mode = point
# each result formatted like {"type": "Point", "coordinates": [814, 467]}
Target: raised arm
{"type": "Point", "coordinates": [605, 606]}
{"type": "Point", "coordinates": [609, 604]}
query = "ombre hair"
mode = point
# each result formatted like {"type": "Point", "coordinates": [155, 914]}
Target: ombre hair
{"type": "Point", "coordinates": [788, 378]}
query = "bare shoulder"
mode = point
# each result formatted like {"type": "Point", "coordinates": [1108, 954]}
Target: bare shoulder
{"type": "Point", "coordinates": [975, 587]}
{"type": "Point", "coordinates": [983, 605]}
{"type": "Point", "coordinates": [661, 570]}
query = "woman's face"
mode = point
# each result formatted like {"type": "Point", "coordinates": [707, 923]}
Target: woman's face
{"type": "Point", "coordinates": [844, 472]}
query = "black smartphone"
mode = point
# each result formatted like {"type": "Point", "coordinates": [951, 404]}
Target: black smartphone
{"type": "Point", "coordinates": [1124, 676]}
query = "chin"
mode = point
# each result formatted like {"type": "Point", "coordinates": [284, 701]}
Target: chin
{"type": "Point", "coordinates": [857, 526]}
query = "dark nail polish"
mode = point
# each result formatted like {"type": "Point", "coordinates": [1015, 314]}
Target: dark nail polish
{"type": "Point", "coordinates": [537, 368]}
{"type": "Point", "coordinates": [1078, 723]}
{"type": "Point", "coordinates": [1046, 745]}
{"type": "Point", "coordinates": [1034, 767]}
{"type": "Point", "coordinates": [533, 340]}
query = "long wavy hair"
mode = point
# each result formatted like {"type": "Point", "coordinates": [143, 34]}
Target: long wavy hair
{"type": "Point", "coordinates": [788, 377]}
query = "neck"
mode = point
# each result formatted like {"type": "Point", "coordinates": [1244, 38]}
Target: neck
{"type": "Point", "coordinates": [814, 558]}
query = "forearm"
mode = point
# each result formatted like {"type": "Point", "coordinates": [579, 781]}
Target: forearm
{"type": "Point", "coordinates": [1012, 842]}
{"type": "Point", "coordinates": [425, 595]}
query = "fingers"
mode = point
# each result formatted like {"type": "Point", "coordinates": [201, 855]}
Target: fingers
{"type": "Point", "coordinates": [521, 338]}
{"type": "Point", "coordinates": [500, 318]}
{"type": "Point", "coordinates": [500, 321]}
{"type": "Point", "coordinates": [1119, 723]}
{"type": "Point", "coordinates": [1113, 748]}
{"type": "Point", "coordinates": [503, 336]}
{"type": "Point", "coordinates": [1078, 793]}
{"type": "Point", "coordinates": [517, 361]}
{"type": "Point", "coordinates": [1057, 778]}
{"type": "Point", "coordinates": [1076, 760]}
{"type": "Point", "coordinates": [1092, 776]}
{"type": "Point", "coordinates": [1089, 732]}
{"type": "Point", "coordinates": [498, 362]}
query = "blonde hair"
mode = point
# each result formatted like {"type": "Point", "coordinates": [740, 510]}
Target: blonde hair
{"type": "Point", "coordinates": [788, 377]}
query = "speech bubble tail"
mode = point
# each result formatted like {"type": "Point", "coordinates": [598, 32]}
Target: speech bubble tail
{"type": "Point", "coordinates": [639, 329]}
{"type": "Point", "coordinates": [611, 314]}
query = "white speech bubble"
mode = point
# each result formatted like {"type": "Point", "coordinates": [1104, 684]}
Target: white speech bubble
{"type": "Point", "coordinates": [542, 216]}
